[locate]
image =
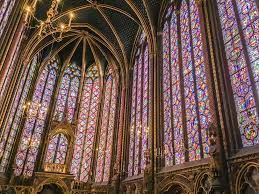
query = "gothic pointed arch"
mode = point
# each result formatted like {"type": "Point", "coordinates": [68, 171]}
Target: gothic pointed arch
{"type": "Point", "coordinates": [87, 125]}
{"type": "Point", "coordinates": [107, 131]}
{"type": "Point", "coordinates": [238, 19]}
{"type": "Point", "coordinates": [139, 118]}
{"type": "Point", "coordinates": [186, 107]}
{"type": "Point", "coordinates": [68, 94]}
{"type": "Point", "coordinates": [6, 8]}
{"type": "Point", "coordinates": [35, 120]}
{"type": "Point", "coordinates": [11, 127]}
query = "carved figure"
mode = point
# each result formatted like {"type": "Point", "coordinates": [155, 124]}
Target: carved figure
{"type": "Point", "coordinates": [213, 149]}
{"type": "Point", "coordinates": [147, 180]}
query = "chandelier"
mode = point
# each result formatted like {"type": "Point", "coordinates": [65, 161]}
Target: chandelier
{"type": "Point", "coordinates": [34, 110]}
{"type": "Point", "coordinates": [48, 26]}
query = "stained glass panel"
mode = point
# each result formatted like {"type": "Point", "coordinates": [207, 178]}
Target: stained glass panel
{"type": "Point", "coordinates": [57, 149]}
{"type": "Point", "coordinates": [14, 118]}
{"type": "Point", "coordinates": [139, 110]}
{"type": "Point", "coordinates": [5, 11]}
{"type": "Point", "coordinates": [239, 23]}
{"type": "Point", "coordinates": [68, 91]}
{"type": "Point", "coordinates": [86, 128]}
{"type": "Point", "coordinates": [7, 75]}
{"type": "Point", "coordinates": [106, 133]}
{"type": "Point", "coordinates": [34, 124]}
{"type": "Point", "coordinates": [185, 86]}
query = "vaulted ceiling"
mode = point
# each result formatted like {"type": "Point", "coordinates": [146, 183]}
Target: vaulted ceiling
{"type": "Point", "coordinates": [109, 27]}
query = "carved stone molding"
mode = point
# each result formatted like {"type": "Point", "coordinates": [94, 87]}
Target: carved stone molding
{"type": "Point", "coordinates": [16, 189]}
{"type": "Point", "coordinates": [65, 182]}
{"type": "Point", "coordinates": [176, 180]}
{"type": "Point", "coordinates": [248, 176]}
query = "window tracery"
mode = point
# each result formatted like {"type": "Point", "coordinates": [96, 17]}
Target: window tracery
{"type": "Point", "coordinates": [186, 112]}
{"type": "Point", "coordinates": [57, 149]}
{"type": "Point", "coordinates": [139, 109]}
{"type": "Point", "coordinates": [87, 123]}
{"type": "Point", "coordinates": [68, 92]}
{"type": "Point", "coordinates": [12, 125]}
{"type": "Point", "coordinates": [5, 11]}
{"type": "Point", "coordinates": [107, 129]}
{"type": "Point", "coordinates": [35, 120]}
{"type": "Point", "coordinates": [239, 23]}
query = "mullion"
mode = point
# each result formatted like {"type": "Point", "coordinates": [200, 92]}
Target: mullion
{"type": "Point", "coordinates": [195, 86]}
{"type": "Point", "coordinates": [13, 119]}
{"type": "Point", "coordinates": [5, 11]}
{"type": "Point", "coordinates": [35, 121]}
{"type": "Point", "coordinates": [171, 85]}
{"type": "Point", "coordinates": [246, 55]}
{"type": "Point", "coordinates": [107, 130]}
{"type": "Point", "coordinates": [84, 142]}
{"type": "Point", "coordinates": [184, 127]}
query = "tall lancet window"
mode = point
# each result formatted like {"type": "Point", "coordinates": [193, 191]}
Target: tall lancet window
{"type": "Point", "coordinates": [107, 129]}
{"type": "Point", "coordinates": [87, 123]}
{"type": "Point", "coordinates": [64, 111]}
{"type": "Point", "coordinates": [35, 120]}
{"type": "Point", "coordinates": [8, 72]}
{"type": "Point", "coordinates": [67, 96]}
{"type": "Point", "coordinates": [57, 149]}
{"type": "Point", "coordinates": [139, 109]}
{"type": "Point", "coordinates": [13, 118]}
{"type": "Point", "coordinates": [186, 112]}
{"type": "Point", "coordinates": [239, 23]}
{"type": "Point", "coordinates": [6, 7]}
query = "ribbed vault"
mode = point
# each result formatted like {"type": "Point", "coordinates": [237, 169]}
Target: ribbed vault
{"type": "Point", "coordinates": [109, 26]}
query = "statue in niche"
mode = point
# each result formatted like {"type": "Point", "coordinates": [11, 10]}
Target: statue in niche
{"type": "Point", "coordinates": [115, 181]}
{"type": "Point", "coordinates": [147, 180]}
{"type": "Point", "coordinates": [213, 148]}
{"type": "Point", "coordinates": [215, 166]}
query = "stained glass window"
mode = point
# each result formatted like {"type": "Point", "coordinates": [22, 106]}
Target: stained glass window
{"type": "Point", "coordinates": [6, 8]}
{"type": "Point", "coordinates": [107, 130]}
{"type": "Point", "coordinates": [13, 120]}
{"type": "Point", "coordinates": [239, 22]}
{"type": "Point", "coordinates": [35, 120]}
{"type": "Point", "coordinates": [185, 87]}
{"type": "Point", "coordinates": [57, 149]}
{"type": "Point", "coordinates": [87, 123]}
{"type": "Point", "coordinates": [139, 110]}
{"type": "Point", "coordinates": [67, 96]}
{"type": "Point", "coordinates": [8, 72]}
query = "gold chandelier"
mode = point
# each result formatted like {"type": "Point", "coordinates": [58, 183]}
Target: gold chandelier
{"type": "Point", "coordinates": [34, 110]}
{"type": "Point", "coordinates": [49, 26]}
